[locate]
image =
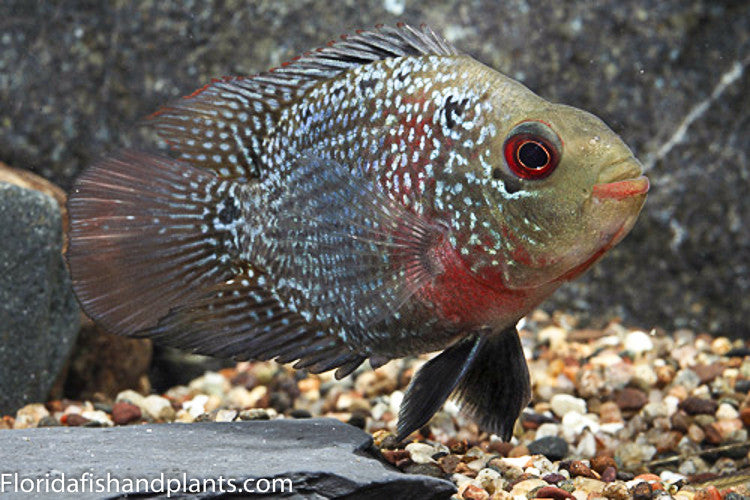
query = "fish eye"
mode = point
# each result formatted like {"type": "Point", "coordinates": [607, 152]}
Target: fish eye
{"type": "Point", "coordinates": [531, 150]}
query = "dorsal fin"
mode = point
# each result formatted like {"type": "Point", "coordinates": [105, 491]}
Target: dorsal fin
{"type": "Point", "coordinates": [222, 125]}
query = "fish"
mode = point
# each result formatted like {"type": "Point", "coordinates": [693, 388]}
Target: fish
{"type": "Point", "coordinates": [386, 195]}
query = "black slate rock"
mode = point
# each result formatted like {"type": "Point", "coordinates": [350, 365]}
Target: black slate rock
{"type": "Point", "coordinates": [552, 447]}
{"type": "Point", "coordinates": [39, 316]}
{"type": "Point", "coordinates": [323, 458]}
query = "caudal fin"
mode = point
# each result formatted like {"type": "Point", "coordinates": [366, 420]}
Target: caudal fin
{"type": "Point", "coordinates": [145, 236]}
{"type": "Point", "coordinates": [152, 253]}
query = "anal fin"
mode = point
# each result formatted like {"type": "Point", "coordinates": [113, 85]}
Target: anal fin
{"type": "Point", "coordinates": [242, 320]}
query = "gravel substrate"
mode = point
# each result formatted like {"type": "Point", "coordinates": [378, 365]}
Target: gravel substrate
{"type": "Point", "coordinates": [616, 413]}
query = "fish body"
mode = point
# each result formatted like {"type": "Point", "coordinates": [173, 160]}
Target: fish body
{"type": "Point", "coordinates": [381, 197]}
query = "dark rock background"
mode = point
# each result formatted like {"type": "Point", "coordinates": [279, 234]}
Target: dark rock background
{"type": "Point", "coordinates": [38, 312]}
{"type": "Point", "coordinates": [669, 76]}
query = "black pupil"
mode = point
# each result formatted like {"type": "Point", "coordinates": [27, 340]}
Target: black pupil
{"type": "Point", "coordinates": [533, 155]}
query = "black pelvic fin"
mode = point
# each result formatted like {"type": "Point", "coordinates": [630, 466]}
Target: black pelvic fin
{"type": "Point", "coordinates": [433, 383]}
{"type": "Point", "coordinates": [497, 386]}
{"type": "Point", "coordinates": [489, 376]}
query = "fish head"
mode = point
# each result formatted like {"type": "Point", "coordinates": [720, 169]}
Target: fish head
{"type": "Point", "coordinates": [564, 189]}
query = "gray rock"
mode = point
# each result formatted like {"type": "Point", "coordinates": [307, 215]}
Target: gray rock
{"type": "Point", "coordinates": [670, 76]}
{"type": "Point", "coordinates": [39, 315]}
{"type": "Point", "coordinates": [321, 458]}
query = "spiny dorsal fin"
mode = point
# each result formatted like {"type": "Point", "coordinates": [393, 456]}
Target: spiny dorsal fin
{"type": "Point", "coordinates": [222, 125]}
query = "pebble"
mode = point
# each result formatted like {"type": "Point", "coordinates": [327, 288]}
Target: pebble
{"type": "Point", "coordinates": [609, 474]}
{"type": "Point", "coordinates": [48, 421]}
{"type": "Point", "coordinates": [617, 490]}
{"type": "Point", "coordinates": [239, 397]}
{"type": "Point", "coordinates": [131, 397]}
{"type": "Point", "coordinates": [554, 478]}
{"type": "Point", "coordinates": [609, 412]}
{"type": "Point", "coordinates": [255, 414]}
{"type": "Point", "coordinates": [562, 404]}
{"type": "Point", "coordinates": [687, 379]}
{"type": "Point", "coordinates": [421, 453]}
{"type": "Point", "coordinates": [74, 420]}
{"type": "Point", "coordinates": [491, 480]}
{"type": "Point", "coordinates": [574, 423]}
{"type": "Point", "coordinates": [99, 417]}
{"type": "Point", "coordinates": [30, 415]}
{"type": "Point", "coordinates": [642, 491]}
{"type": "Point", "coordinates": [226, 415]}
{"type": "Point", "coordinates": [552, 447]}
{"type": "Point", "coordinates": [473, 492]}
{"type": "Point", "coordinates": [124, 413]}
{"type": "Point", "coordinates": [726, 412]}
{"type": "Point", "coordinates": [600, 463]}
{"type": "Point", "coordinates": [586, 445]}
{"type": "Point", "coordinates": [630, 399]}
{"type": "Point", "coordinates": [638, 342]}
{"type": "Point", "coordinates": [523, 488]}
{"type": "Point", "coordinates": [698, 406]}
{"type": "Point", "coordinates": [211, 383]}
{"type": "Point", "coordinates": [631, 455]}
{"type": "Point", "coordinates": [588, 485]}
{"type": "Point", "coordinates": [547, 430]}
{"type": "Point", "coordinates": [578, 468]}
{"type": "Point", "coordinates": [552, 492]}
{"type": "Point", "coordinates": [158, 408]}
{"type": "Point", "coordinates": [721, 346]}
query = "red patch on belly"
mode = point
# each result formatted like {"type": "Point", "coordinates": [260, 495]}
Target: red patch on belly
{"type": "Point", "coordinates": [462, 299]}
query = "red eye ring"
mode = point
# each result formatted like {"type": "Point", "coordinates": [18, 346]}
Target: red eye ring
{"type": "Point", "coordinates": [530, 156]}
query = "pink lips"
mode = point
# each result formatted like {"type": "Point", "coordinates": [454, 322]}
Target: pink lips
{"type": "Point", "coordinates": [621, 189]}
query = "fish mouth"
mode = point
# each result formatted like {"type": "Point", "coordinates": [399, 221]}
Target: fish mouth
{"type": "Point", "coordinates": [621, 179]}
{"type": "Point", "coordinates": [620, 190]}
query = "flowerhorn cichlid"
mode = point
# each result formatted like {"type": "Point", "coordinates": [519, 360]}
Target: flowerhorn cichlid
{"type": "Point", "coordinates": [383, 196]}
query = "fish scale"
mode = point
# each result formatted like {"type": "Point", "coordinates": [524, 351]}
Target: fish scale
{"type": "Point", "coordinates": [383, 196]}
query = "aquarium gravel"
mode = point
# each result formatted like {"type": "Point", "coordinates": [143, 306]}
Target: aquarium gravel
{"type": "Point", "coordinates": [617, 412]}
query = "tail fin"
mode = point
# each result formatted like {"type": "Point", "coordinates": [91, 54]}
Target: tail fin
{"type": "Point", "coordinates": [145, 236]}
